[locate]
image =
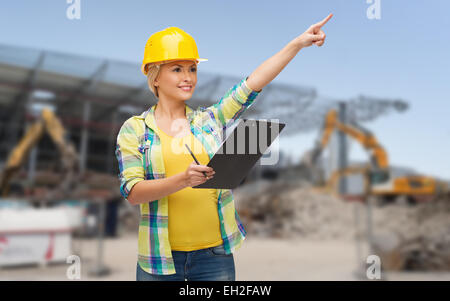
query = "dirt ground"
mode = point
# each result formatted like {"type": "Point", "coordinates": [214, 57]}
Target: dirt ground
{"type": "Point", "coordinates": [258, 259]}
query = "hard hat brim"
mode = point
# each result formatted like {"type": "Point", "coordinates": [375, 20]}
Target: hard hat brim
{"type": "Point", "coordinates": [178, 59]}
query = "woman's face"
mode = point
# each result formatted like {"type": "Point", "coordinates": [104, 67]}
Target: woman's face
{"type": "Point", "coordinates": [175, 78]}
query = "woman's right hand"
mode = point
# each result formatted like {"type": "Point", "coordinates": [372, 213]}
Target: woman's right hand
{"type": "Point", "coordinates": [313, 35]}
{"type": "Point", "coordinates": [194, 174]}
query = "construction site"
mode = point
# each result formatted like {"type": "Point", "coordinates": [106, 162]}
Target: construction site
{"type": "Point", "coordinates": [316, 217]}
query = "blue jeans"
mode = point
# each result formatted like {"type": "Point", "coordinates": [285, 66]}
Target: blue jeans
{"type": "Point", "coordinates": [210, 264]}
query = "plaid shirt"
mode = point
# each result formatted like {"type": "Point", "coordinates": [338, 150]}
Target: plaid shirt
{"type": "Point", "coordinates": [139, 154]}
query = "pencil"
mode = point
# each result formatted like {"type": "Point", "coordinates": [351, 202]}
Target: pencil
{"type": "Point", "coordinates": [196, 161]}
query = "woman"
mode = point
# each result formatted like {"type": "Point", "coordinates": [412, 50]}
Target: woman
{"type": "Point", "coordinates": [157, 172]}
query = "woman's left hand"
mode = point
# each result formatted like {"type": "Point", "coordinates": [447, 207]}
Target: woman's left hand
{"type": "Point", "coordinates": [313, 35]}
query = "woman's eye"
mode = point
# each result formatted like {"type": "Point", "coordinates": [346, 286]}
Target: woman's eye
{"type": "Point", "coordinates": [178, 69]}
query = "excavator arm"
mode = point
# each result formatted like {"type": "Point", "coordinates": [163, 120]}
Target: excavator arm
{"type": "Point", "coordinates": [51, 124]}
{"type": "Point", "coordinates": [378, 156]}
{"type": "Point", "coordinates": [19, 153]}
{"type": "Point", "coordinates": [377, 180]}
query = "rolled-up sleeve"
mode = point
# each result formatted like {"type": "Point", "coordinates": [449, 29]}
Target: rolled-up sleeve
{"type": "Point", "coordinates": [231, 106]}
{"type": "Point", "coordinates": [129, 158]}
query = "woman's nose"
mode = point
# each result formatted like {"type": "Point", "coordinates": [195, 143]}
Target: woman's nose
{"type": "Point", "coordinates": [187, 76]}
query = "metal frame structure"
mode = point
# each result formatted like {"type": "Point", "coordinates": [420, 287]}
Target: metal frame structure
{"type": "Point", "coordinates": [94, 96]}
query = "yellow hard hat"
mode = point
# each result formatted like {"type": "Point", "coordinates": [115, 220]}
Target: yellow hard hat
{"type": "Point", "coordinates": [171, 43]}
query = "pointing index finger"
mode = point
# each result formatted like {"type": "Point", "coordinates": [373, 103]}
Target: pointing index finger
{"type": "Point", "coordinates": [324, 21]}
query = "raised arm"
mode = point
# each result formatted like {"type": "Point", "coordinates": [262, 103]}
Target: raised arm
{"type": "Point", "coordinates": [241, 96]}
{"type": "Point", "coordinates": [232, 105]}
{"type": "Point", "coordinates": [268, 70]}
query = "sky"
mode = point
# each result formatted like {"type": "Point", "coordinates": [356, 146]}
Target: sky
{"type": "Point", "coordinates": [403, 54]}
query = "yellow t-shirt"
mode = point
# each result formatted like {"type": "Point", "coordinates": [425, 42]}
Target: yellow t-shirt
{"type": "Point", "coordinates": [193, 217]}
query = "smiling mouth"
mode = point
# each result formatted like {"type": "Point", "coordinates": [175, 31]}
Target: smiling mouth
{"type": "Point", "coordinates": [187, 89]}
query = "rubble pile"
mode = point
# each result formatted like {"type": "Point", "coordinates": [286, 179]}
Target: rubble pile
{"type": "Point", "coordinates": [277, 209]}
{"type": "Point", "coordinates": [405, 236]}
{"type": "Point", "coordinates": [413, 237]}
{"type": "Point", "coordinates": [90, 185]}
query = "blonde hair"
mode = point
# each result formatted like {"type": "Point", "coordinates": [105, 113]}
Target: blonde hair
{"type": "Point", "coordinates": [152, 70]}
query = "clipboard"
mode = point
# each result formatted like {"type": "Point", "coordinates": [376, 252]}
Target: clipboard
{"type": "Point", "coordinates": [240, 151]}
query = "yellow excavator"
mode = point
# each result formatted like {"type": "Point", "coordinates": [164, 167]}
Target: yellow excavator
{"type": "Point", "coordinates": [376, 174]}
{"type": "Point", "coordinates": [52, 125]}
